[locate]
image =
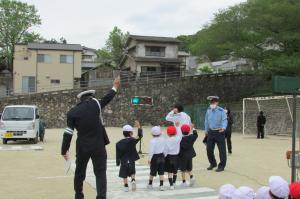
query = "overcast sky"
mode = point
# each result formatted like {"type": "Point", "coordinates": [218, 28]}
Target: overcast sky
{"type": "Point", "coordinates": [88, 22]}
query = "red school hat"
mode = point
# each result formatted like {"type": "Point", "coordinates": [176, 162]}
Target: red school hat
{"type": "Point", "coordinates": [295, 190]}
{"type": "Point", "coordinates": [185, 129]}
{"type": "Point", "coordinates": [171, 130]}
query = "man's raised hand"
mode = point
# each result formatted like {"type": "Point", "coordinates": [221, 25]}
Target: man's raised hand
{"type": "Point", "coordinates": [117, 83]}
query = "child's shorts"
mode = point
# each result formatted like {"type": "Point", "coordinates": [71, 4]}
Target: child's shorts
{"type": "Point", "coordinates": [127, 170]}
{"type": "Point", "coordinates": [157, 165]}
{"type": "Point", "coordinates": [171, 165]}
{"type": "Point", "coordinates": [186, 164]}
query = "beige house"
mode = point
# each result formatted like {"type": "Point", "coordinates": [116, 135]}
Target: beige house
{"type": "Point", "coordinates": [149, 54]}
{"type": "Point", "coordinates": [41, 67]}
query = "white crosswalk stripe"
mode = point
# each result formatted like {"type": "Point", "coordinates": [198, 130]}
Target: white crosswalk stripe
{"type": "Point", "coordinates": [142, 176]}
{"type": "Point", "coordinates": [21, 148]}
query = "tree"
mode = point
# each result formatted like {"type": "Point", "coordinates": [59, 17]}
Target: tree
{"type": "Point", "coordinates": [114, 47]}
{"type": "Point", "coordinates": [30, 37]}
{"type": "Point", "coordinates": [265, 31]}
{"type": "Point", "coordinates": [15, 20]}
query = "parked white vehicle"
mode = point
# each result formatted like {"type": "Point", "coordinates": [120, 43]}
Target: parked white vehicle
{"type": "Point", "coordinates": [20, 122]}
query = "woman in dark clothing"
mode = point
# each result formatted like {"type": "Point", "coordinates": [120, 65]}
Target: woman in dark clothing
{"type": "Point", "coordinates": [228, 130]}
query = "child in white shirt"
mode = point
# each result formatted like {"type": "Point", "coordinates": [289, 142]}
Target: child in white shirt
{"type": "Point", "coordinates": [172, 149]}
{"type": "Point", "coordinates": [156, 157]}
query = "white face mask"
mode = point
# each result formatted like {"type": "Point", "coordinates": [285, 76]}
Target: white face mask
{"type": "Point", "coordinates": [213, 106]}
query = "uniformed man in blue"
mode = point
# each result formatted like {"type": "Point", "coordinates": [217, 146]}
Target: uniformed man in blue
{"type": "Point", "coordinates": [86, 118]}
{"type": "Point", "coordinates": [215, 125]}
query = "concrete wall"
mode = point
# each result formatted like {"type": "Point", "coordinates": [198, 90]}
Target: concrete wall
{"type": "Point", "coordinates": [188, 91]}
{"type": "Point", "coordinates": [44, 72]}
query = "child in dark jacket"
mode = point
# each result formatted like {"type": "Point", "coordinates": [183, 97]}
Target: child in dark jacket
{"type": "Point", "coordinates": [187, 153]}
{"type": "Point", "coordinates": [126, 155]}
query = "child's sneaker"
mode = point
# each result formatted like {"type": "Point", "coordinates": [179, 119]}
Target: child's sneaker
{"type": "Point", "coordinates": [133, 186]}
{"type": "Point", "coordinates": [184, 184]}
{"type": "Point", "coordinates": [172, 187]}
{"type": "Point", "coordinates": [192, 181]}
{"type": "Point", "coordinates": [150, 186]}
{"type": "Point", "coordinates": [161, 188]}
{"type": "Point", "coordinates": [126, 189]}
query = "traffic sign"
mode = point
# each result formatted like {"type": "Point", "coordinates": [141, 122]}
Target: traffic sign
{"type": "Point", "coordinates": [141, 100]}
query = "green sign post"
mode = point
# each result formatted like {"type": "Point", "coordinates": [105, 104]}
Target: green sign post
{"type": "Point", "coordinates": [290, 86]}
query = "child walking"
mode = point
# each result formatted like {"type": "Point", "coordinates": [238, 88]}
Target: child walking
{"type": "Point", "coordinates": [156, 157]}
{"type": "Point", "coordinates": [187, 153]}
{"type": "Point", "coordinates": [126, 155]}
{"type": "Point", "coordinates": [171, 152]}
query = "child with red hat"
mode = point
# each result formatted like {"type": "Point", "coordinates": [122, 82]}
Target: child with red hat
{"type": "Point", "coordinates": [172, 148]}
{"type": "Point", "coordinates": [187, 153]}
{"type": "Point", "coordinates": [295, 190]}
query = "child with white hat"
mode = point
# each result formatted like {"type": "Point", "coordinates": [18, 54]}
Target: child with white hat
{"type": "Point", "coordinates": [263, 193]}
{"type": "Point", "coordinates": [243, 193]}
{"type": "Point", "coordinates": [156, 157]}
{"type": "Point", "coordinates": [126, 155]}
{"type": "Point", "coordinates": [226, 191]}
{"type": "Point", "coordinates": [279, 188]}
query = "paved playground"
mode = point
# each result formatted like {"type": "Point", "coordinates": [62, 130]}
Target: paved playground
{"type": "Point", "coordinates": [39, 172]}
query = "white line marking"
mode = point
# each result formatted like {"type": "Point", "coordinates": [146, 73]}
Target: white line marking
{"type": "Point", "coordinates": [184, 191]}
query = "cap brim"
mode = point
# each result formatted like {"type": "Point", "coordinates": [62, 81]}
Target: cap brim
{"type": "Point", "coordinates": [210, 98]}
{"type": "Point", "coordinates": [88, 92]}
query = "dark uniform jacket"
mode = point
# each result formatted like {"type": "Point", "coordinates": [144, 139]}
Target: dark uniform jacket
{"type": "Point", "coordinates": [187, 150]}
{"type": "Point", "coordinates": [230, 123]}
{"type": "Point", "coordinates": [84, 117]}
{"type": "Point", "coordinates": [261, 120]}
{"type": "Point", "coordinates": [126, 149]}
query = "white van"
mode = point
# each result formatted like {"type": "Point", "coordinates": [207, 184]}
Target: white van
{"type": "Point", "coordinates": [20, 122]}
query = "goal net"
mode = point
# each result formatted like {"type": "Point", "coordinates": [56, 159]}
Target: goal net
{"type": "Point", "coordinates": [278, 111]}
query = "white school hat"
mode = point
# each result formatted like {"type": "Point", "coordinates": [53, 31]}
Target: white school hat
{"type": "Point", "coordinates": [156, 130]}
{"type": "Point", "coordinates": [226, 191]}
{"type": "Point", "coordinates": [243, 193]}
{"type": "Point", "coordinates": [263, 193]}
{"type": "Point", "coordinates": [127, 128]}
{"type": "Point", "coordinates": [279, 187]}
{"type": "Point", "coordinates": [91, 92]}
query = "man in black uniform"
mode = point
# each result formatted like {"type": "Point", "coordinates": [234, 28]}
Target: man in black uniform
{"type": "Point", "coordinates": [261, 121]}
{"type": "Point", "coordinates": [86, 118]}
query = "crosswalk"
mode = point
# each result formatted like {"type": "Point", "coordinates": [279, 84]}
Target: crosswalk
{"type": "Point", "coordinates": [115, 190]}
{"type": "Point", "coordinates": [21, 148]}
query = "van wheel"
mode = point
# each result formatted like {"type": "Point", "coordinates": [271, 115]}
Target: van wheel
{"type": "Point", "coordinates": [4, 141]}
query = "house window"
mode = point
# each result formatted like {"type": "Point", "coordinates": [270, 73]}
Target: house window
{"type": "Point", "coordinates": [55, 81]}
{"type": "Point", "coordinates": [28, 84]}
{"type": "Point", "coordinates": [87, 56]}
{"type": "Point", "coordinates": [43, 58]}
{"type": "Point", "coordinates": [149, 69]}
{"type": "Point", "coordinates": [25, 58]}
{"type": "Point", "coordinates": [155, 51]}
{"type": "Point", "coordinates": [66, 59]}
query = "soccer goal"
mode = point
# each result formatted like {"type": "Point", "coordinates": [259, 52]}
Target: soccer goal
{"type": "Point", "coordinates": [277, 109]}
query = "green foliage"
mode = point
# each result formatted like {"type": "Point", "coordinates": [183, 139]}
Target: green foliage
{"type": "Point", "coordinates": [113, 51]}
{"type": "Point", "coordinates": [206, 69]}
{"type": "Point", "coordinates": [31, 37]}
{"type": "Point", "coordinates": [105, 58]}
{"type": "Point", "coordinates": [266, 31]}
{"type": "Point", "coordinates": [61, 40]}
{"type": "Point", "coordinates": [15, 20]}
